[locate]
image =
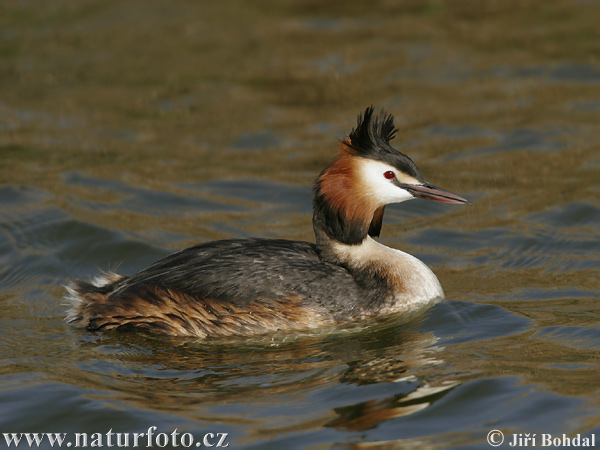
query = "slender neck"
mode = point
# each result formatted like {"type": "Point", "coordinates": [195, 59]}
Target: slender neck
{"type": "Point", "coordinates": [336, 225]}
{"type": "Point", "coordinates": [342, 211]}
{"type": "Point", "coordinates": [391, 279]}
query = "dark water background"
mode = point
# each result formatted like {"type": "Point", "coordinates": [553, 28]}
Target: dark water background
{"type": "Point", "coordinates": [131, 129]}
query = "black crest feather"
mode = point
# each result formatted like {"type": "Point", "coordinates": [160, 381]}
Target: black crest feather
{"type": "Point", "coordinates": [372, 130]}
{"type": "Point", "coordinates": [371, 139]}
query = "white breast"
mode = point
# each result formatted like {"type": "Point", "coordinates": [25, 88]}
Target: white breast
{"type": "Point", "coordinates": [415, 285]}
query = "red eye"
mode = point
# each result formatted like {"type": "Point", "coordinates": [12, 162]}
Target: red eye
{"type": "Point", "coordinates": [389, 175]}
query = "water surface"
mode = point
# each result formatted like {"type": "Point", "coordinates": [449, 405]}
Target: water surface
{"type": "Point", "coordinates": [131, 130]}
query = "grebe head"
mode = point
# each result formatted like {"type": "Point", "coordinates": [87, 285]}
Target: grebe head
{"type": "Point", "coordinates": [368, 173]}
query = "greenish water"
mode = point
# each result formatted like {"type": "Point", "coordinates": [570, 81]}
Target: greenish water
{"type": "Point", "coordinates": [130, 130]}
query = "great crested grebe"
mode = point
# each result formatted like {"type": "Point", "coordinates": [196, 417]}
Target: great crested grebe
{"type": "Point", "coordinates": [239, 287]}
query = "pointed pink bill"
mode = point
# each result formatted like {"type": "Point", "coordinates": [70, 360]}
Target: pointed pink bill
{"type": "Point", "coordinates": [431, 192]}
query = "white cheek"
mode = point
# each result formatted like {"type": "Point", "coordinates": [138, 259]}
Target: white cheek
{"type": "Point", "coordinates": [384, 190]}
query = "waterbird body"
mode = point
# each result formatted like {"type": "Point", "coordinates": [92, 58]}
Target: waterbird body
{"type": "Point", "coordinates": [253, 286]}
